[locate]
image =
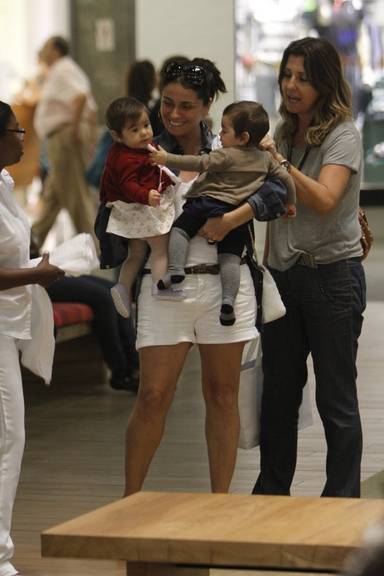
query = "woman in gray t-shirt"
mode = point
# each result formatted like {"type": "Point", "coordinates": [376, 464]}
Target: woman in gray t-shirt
{"type": "Point", "coordinates": [316, 262]}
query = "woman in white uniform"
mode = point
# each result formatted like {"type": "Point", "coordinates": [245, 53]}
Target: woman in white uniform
{"type": "Point", "coordinates": [15, 325]}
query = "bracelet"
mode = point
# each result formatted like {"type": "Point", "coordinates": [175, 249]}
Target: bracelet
{"type": "Point", "coordinates": [285, 164]}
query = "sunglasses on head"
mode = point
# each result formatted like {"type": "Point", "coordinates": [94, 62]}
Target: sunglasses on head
{"type": "Point", "coordinates": [191, 73]}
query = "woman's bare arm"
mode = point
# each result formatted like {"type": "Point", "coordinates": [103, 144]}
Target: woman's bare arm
{"type": "Point", "coordinates": [322, 194]}
{"type": "Point", "coordinates": [216, 229]}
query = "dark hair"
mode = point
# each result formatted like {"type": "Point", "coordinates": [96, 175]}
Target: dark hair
{"type": "Point", "coordinates": [141, 80]}
{"type": "Point", "coordinates": [207, 88]}
{"type": "Point", "coordinates": [324, 70]}
{"type": "Point", "coordinates": [123, 110]}
{"type": "Point", "coordinates": [60, 44]}
{"type": "Point", "coordinates": [6, 114]}
{"type": "Point", "coordinates": [248, 116]}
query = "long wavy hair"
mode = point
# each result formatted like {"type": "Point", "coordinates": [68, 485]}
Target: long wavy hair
{"type": "Point", "coordinates": [324, 70]}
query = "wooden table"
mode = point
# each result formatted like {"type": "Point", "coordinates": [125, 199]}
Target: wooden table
{"type": "Point", "coordinates": [171, 534]}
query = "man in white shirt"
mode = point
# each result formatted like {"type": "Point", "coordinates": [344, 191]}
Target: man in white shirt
{"type": "Point", "coordinates": [65, 120]}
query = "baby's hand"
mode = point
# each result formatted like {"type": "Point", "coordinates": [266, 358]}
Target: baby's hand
{"type": "Point", "coordinates": [158, 156]}
{"type": "Point", "coordinates": [268, 143]}
{"type": "Point", "coordinates": [290, 211]}
{"type": "Point", "coordinates": [154, 198]}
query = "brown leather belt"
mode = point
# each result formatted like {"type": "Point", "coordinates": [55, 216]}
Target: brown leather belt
{"type": "Point", "coordinates": [308, 260]}
{"type": "Point", "coordinates": [200, 268]}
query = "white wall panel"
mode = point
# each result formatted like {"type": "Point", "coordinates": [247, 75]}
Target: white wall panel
{"type": "Point", "coordinates": [202, 28]}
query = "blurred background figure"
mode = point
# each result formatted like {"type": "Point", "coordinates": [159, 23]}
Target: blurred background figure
{"type": "Point", "coordinates": [142, 81]}
{"type": "Point", "coordinates": [369, 559]}
{"type": "Point", "coordinates": [115, 334]}
{"type": "Point", "coordinates": [65, 121]}
{"type": "Point", "coordinates": [24, 105]}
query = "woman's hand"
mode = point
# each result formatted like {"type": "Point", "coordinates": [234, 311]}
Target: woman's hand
{"type": "Point", "coordinates": [215, 229]}
{"type": "Point", "coordinates": [267, 143]}
{"type": "Point", "coordinates": [46, 272]}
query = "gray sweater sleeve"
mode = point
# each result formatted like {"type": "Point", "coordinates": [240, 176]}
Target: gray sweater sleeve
{"type": "Point", "coordinates": [212, 162]}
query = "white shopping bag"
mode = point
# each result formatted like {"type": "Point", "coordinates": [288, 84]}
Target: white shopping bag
{"type": "Point", "coordinates": [75, 256]}
{"type": "Point", "coordinates": [37, 353]}
{"type": "Point", "coordinates": [250, 393]}
{"type": "Point", "coordinates": [272, 304]}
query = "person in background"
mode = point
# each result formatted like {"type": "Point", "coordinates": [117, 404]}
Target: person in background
{"type": "Point", "coordinates": [65, 121]}
{"type": "Point", "coordinates": [141, 82]}
{"type": "Point", "coordinates": [315, 260]}
{"type": "Point", "coordinates": [115, 335]}
{"type": "Point", "coordinates": [368, 558]}
{"type": "Point", "coordinates": [16, 323]}
{"type": "Point", "coordinates": [166, 330]}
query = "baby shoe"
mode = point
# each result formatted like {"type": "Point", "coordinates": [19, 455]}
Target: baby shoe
{"type": "Point", "coordinates": [121, 299]}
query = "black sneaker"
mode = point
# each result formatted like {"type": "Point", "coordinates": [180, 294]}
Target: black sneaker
{"type": "Point", "coordinates": [127, 383]}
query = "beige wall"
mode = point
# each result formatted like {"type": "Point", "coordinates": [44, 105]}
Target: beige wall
{"type": "Point", "coordinates": [191, 27]}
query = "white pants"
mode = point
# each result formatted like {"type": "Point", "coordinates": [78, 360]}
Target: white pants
{"type": "Point", "coordinates": [12, 438]}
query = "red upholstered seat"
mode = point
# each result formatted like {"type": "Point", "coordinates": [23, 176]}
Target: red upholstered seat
{"type": "Point", "coordinates": [67, 313]}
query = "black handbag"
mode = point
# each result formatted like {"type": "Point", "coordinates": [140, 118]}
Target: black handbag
{"type": "Point", "coordinates": [113, 248]}
{"type": "Point", "coordinates": [256, 274]}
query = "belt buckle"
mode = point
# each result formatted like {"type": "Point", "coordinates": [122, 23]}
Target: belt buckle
{"type": "Point", "coordinates": [202, 269]}
{"type": "Point", "coordinates": [307, 260]}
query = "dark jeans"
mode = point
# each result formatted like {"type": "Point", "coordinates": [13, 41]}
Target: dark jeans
{"type": "Point", "coordinates": [115, 334]}
{"type": "Point", "coordinates": [196, 212]}
{"type": "Point", "coordinates": [324, 319]}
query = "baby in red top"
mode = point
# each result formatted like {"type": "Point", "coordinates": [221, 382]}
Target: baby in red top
{"type": "Point", "coordinates": [139, 194]}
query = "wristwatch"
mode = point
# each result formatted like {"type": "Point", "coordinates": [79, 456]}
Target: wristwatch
{"type": "Point", "coordinates": [285, 164]}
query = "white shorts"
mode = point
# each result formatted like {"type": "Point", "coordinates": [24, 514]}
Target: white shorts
{"type": "Point", "coordinates": [195, 319]}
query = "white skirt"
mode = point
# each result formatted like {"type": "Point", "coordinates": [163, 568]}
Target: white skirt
{"type": "Point", "coordinates": [134, 220]}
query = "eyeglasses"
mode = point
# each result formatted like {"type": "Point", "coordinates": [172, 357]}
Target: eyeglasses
{"type": "Point", "coordinates": [192, 73]}
{"type": "Point", "coordinates": [19, 131]}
